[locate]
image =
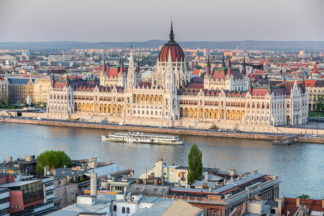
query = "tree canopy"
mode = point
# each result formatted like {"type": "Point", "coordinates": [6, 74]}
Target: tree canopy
{"type": "Point", "coordinates": [195, 164]}
{"type": "Point", "coordinates": [304, 196]}
{"type": "Point", "coordinates": [52, 160]}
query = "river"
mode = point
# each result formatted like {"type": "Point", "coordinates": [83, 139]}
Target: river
{"type": "Point", "coordinates": [300, 167]}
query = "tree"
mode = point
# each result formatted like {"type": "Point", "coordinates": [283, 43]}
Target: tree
{"type": "Point", "coordinates": [319, 101]}
{"type": "Point", "coordinates": [195, 164]}
{"type": "Point", "coordinates": [303, 196]}
{"type": "Point", "coordinates": [52, 160]}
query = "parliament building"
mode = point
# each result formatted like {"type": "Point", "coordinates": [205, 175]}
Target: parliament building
{"type": "Point", "coordinates": [225, 98]}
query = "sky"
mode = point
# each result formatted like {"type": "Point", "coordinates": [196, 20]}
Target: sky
{"type": "Point", "coordinates": [143, 20]}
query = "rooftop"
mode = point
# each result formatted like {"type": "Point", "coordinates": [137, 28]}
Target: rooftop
{"type": "Point", "coordinates": [103, 202]}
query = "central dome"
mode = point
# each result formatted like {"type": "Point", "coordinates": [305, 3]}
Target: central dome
{"type": "Point", "coordinates": [172, 47]}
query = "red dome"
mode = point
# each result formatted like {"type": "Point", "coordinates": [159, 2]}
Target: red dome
{"type": "Point", "coordinates": [177, 53]}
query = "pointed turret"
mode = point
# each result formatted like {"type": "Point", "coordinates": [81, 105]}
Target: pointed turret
{"type": "Point", "coordinates": [208, 67]}
{"type": "Point", "coordinates": [121, 67]}
{"type": "Point", "coordinates": [169, 82]}
{"type": "Point", "coordinates": [171, 35]}
{"type": "Point", "coordinates": [223, 62]}
{"type": "Point", "coordinates": [315, 71]}
{"type": "Point", "coordinates": [250, 86]}
{"type": "Point", "coordinates": [229, 64]}
{"type": "Point", "coordinates": [131, 79]}
{"type": "Point", "coordinates": [138, 69]}
{"type": "Point", "coordinates": [244, 67]}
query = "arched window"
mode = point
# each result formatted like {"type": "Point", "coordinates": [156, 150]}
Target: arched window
{"type": "Point", "coordinates": [115, 208]}
{"type": "Point", "coordinates": [123, 210]}
{"type": "Point", "coordinates": [127, 210]}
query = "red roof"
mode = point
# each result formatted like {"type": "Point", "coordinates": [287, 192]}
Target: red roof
{"type": "Point", "coordinates": [196, 72]}
{"type": "Point", "coordinates": [113, 72]}
{"type": "Point", "coordinates": [259, 71]}
{"type": "Point", "coordinates": [218, 74]}
{"type": "Point", "coordinates": [177, 53]}
{"type": "Point", "coordinates": [291, 205]}
{"type": "Point", "coordinates": [196, 85]}
{"type": "Point", "coordinates": [259, 92]}
{"type": "Point", "coordinates": [315, 70]}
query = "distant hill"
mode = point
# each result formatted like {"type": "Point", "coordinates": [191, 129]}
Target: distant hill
{"type": "Point", "coordinates": [257, 45]}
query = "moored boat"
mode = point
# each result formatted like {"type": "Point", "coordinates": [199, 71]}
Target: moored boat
{"type": "Point", "coordinates": [137, 137]}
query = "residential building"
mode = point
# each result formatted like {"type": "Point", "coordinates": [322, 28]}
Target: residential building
{"type": "Point", "coordinates": [4, 202]}
{"type": "Point", "coordinates": [225, 198]}
{"type": "Point", "coordinates": [301, 207]}
{"type": "Point", "coordinates": [26, 166]}
{"type": "Point", "coordinates": [41, 90]}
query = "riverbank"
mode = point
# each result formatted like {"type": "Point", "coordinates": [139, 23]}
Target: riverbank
{"type": "Point", "coordinates": [178, 131]}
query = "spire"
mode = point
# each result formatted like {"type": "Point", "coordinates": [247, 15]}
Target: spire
{"type": "Point", "coordinates": [169, 82]}
{"type": "Point", "coordinates": [105, 66]}
{"type": "Point", "coordinates": [250, 86]}
{"type": "Point", "coordinates": [315, 69]}
{"type": "Point", "coordinates": [223, 63]}
{"type": "Point", "coordinates": [244, 67]}
{"type": "Point", "coordinates": [171, 35]}
{"type": "Point", "coordinates": [121, 63]}
{"type": "Point", "coordinates": [138, 69]}
{"type": "Point", "coordinates": [131, 80]}
{"type": "Point", "coordinates": [208, 67]}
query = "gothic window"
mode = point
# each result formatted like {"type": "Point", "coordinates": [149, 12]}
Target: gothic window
{"type": "Point", "coordinates": [115, 208]}
{"type": "Point", "coordinates": [128, 210]}
{"type": "Point", "coordinates": [123, 210]}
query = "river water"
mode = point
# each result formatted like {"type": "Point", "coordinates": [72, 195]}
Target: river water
{"type": "Point", "coordinates": [300, 167]}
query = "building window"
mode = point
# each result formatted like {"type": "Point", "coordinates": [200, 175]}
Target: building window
{"type": "Point", "coordinates": [127, 210]}
{"type": "Point", "coordinates": [123, 210]}
{"type": "Point", "coordinates": [215, 213]}
{"type": "Point", "coordinates": [115, 208]}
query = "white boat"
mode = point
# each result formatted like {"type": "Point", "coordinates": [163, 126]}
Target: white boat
{"type": "Point", "coordinates": [137, 137]}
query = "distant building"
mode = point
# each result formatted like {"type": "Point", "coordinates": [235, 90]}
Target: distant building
{"type": "Point", "coordinates": [315, 90]}
{"type": "Point", "coordinates": [19, 89]}
{"type": "Point", "coordinates": [4, 89]}
{"type": "Point", "coordinates": [41, 89]}
{"type": "Point", "coordinates": [26, 166]}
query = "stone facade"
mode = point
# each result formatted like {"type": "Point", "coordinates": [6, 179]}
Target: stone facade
{"type": "Point", "coordinates": [171, 100]}
{"type": "Point", "coordinates": [19, 89]}
{"type": "Point", "coordinates": [41, 89]}
{"type": "Point", "coordinates": [3, 89]}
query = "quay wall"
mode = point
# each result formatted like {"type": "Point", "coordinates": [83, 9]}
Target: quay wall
{"type": "Point", "coordinates": [178, 131]}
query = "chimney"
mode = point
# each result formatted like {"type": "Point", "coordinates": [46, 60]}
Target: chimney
{"type": "Point", "coordinates": [205, 185]}
{"type": "Point", "coordinates": [10, 159]}
{"type": "Point", "coordinates": [93, 184]}
{"type": "Point", "coordinates": [244, 207]}
{"type": "Point", "coordinates": [162, 183]}
{"type": "Point", "coordinates": [281, 206]}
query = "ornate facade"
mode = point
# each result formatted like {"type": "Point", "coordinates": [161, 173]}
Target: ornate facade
{"type": "Point", "coordinates": [3, 89]}
{"type": "Point", "coordinates": [226, 97]}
